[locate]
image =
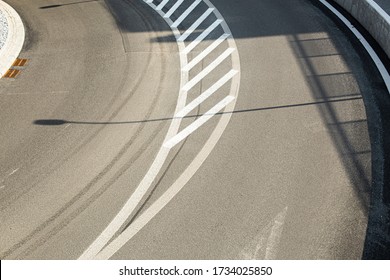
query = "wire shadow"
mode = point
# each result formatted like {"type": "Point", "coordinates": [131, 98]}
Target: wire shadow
{"type": "Point", "coordinates": [58, 122]}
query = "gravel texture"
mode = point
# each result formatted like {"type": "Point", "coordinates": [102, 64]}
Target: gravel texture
{"type": "Point", "coordinates": [3, 29]}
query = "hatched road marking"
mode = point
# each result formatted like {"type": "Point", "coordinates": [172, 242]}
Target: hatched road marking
{"type": "Point", "coordinates": [198, 123]}
{"type": "Point", "coordinates": [110, 237]}
{"type": "Point", "coordinates": [200, 99]}
{"type": "Point", "coordinates": [185, 14]}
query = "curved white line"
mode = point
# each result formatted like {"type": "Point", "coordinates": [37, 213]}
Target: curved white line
{"type": "Point", "coordinates": [156, 166]}
{"type": "Point", "coordinates": [95, 250]}
{"type": "Point", "coordinates": [172, 191]}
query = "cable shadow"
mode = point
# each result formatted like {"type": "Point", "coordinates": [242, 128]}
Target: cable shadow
{"type": "Point", "coordinates": [59, 122]}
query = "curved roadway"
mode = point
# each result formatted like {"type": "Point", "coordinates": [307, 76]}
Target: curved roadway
{"type": "Point", "coordinates": [81, 125]}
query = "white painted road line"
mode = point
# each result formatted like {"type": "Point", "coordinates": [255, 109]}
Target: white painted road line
{"type": "Point", "coordinates": [186, 13]}
{"type": "Point", "coordinates": [95, 250]}
{"type": "Point", "coordinates": [275, 236]}
{"type": "Point", "coordinates": [195, 25]}
{"type": "Point", "coordinates": [264, 246]}
{"type": "Point", "coordinates": [203, 35]}
{"type": "Point", "coordinates": [206, 52]}
{"type": "Point", "coordinates": [167, 196]}
{"type": "Point", "coordinates": [173, 9]}
{"type": "Point", "coordinates": [379, 64]}
{"type": "Point", "coordinates": [127, 210]}
{"type": "Point", "coordinates": [196, 102]}
{"type": "Point", "coordinates": [198, 123]}
{"type": "Point", "coordinates": [208, 69]}
{"type": "Point", "coordinates": [162, 5]}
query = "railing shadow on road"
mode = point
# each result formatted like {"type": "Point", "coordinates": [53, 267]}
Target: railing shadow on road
{"type": "Point", "coordinates": [357, 140]}
{"type": "Point", "coordinates": [361, 143]}
{"type": "Point", "coordinates": [348, 131]}
{"type": "Point", "coordinates": [351, 138]}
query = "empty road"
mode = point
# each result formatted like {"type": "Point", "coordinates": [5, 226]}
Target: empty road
{"type": "Point", "coordinates": [246, 130]}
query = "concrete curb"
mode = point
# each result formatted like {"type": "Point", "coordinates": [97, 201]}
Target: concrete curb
{"type": "Point", "coordinates": [15, 39]}
{"type": "Point", "coordinates": [372, 17]}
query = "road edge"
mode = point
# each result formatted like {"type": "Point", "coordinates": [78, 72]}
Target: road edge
{"type": "Point", "coordinates": [375, 21]}
{"type": "Point", "coordinates": [15, 39]}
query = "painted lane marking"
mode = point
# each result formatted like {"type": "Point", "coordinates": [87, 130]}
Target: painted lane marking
{"type": "Point", "coordinates": [162, 5]}
{"type": "Point", "coordinates": [198, 123]}
{"type": "Point", "coordinates": [96, 247]}
{"type": "Point", "coordinates": [200, 99]}
{"type": "Point", "coordinates": [206, 52]}
{"type": "Point", "coordinates": [379, 64]}
{"type": "Point", "coordinates": [186, 13]}
{"type": "Point", "coordinates": [127, 209]}
{"type": "Point", "coordinates": [173, 9]}
{"type": "Point", "coordinates": [173, 190]}
{"type": "Point", "coordinates": [265, 244]}
{"type": "Point", "coordinates": [202, 36]}
{"type": "Point", "coordinates": [275, 236]}
{"type": "Point", "coordinates": [195, 25]}
{"type": "Point", "coordinates": [208, 69]}
{"type": "Point", "coordinates": [114, 226]}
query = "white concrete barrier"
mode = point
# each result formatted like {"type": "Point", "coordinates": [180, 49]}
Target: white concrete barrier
{"type": "Point", "coordinates": [372, 17]}
{"type": "Point", "coordinates": [15, 38]}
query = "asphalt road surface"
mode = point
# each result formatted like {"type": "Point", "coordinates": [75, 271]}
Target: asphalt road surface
{"type": "Point", "coordinates": [87, 117]}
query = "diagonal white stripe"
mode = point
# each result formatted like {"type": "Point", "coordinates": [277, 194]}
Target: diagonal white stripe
{"type": "Point", "coordinates": [207, 51]}
{"type": "Point", "coordinates": [200, 38]}
{"type": "Point", "coordinates": [208, 69]}
{"type": "Point", "coordinates": [185, 14]}
{"type": "Point", "coordinates": [195, 25]}
{"type": "Point", "coordinates": [173, 9]}
{"type": "Point", "coordinates": [198, 123]}
{"type": "Point", "coordinates": [162, 4]}
{"type": "Point", "coordinates": [195, 103]}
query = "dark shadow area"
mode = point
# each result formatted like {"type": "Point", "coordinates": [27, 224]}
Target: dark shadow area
{"type": "Point", "coordinates": [66, 4]}
{"type": "Point", "coordinates": [243, 19]}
